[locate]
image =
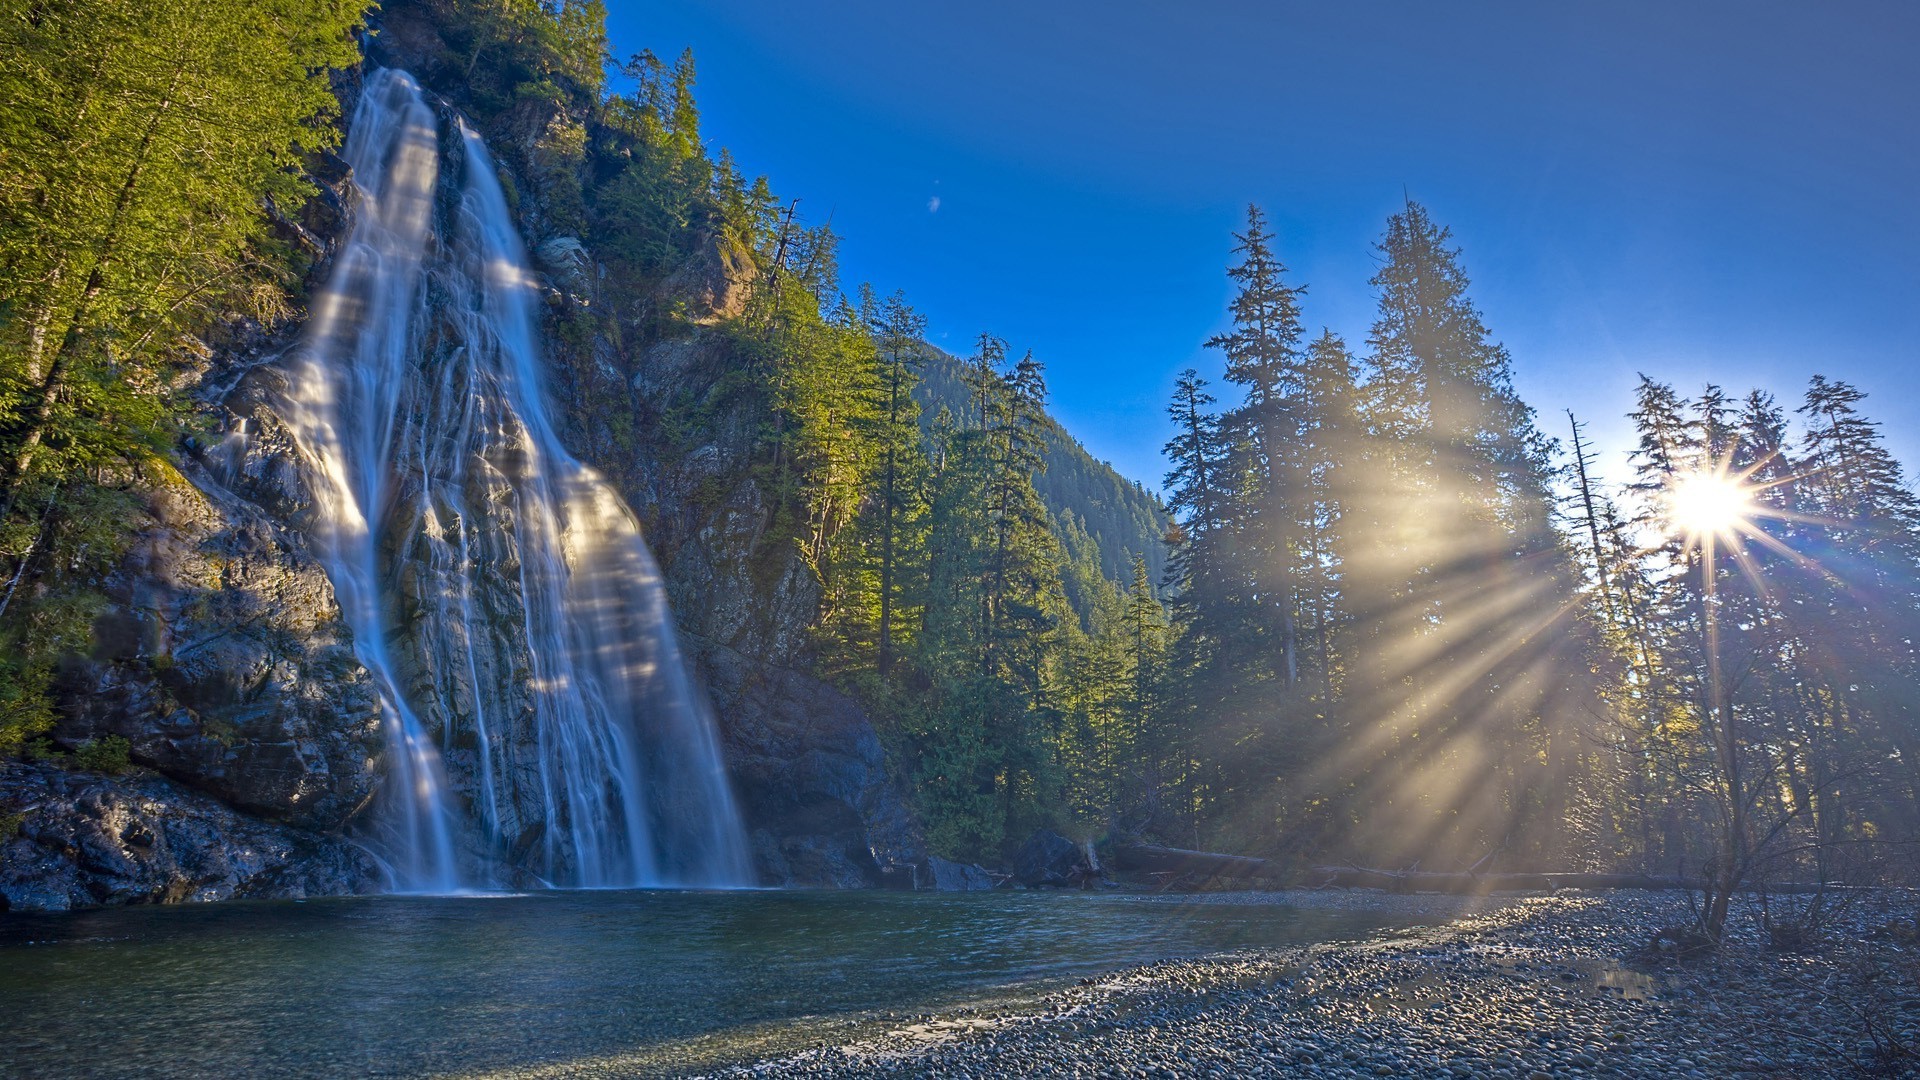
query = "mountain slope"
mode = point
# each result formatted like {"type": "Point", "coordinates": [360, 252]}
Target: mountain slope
{"type": "Point", "coordinates": [1088, 500]}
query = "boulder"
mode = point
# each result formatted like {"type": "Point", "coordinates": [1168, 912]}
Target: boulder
{"type": "Point", "coordinates": [71, 840]}
{"type": "Point", "coordinates": [713, 285]}
{"type": "Point", "coordinates": [947, 876]}
{"type": "Point", "coordinates": [1049, 859]}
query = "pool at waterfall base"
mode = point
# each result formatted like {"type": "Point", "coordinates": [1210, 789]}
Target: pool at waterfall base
{"type": "Point", "coordinates": [651, 981]}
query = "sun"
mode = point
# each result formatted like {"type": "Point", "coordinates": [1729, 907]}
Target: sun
{"type": "Point", "coordinates": [1710, 504]}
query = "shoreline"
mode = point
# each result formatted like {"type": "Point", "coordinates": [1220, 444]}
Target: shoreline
{"type": "Point", "coordinates": [1520, 986]}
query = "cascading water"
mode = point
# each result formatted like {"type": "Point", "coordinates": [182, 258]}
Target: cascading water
{"type": "Point", "coordinates": [540, 715]}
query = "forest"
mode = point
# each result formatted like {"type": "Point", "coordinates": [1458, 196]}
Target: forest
{"type": "Point", "coordinates": [1395, 618]}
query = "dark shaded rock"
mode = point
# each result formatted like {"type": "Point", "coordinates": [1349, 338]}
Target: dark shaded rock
{"type": "Point", "coordinates": [1047, 858]}
{"type": "Point", "coordinates": [957, 877]}
{"type": "Point", "coordinates": [85, 839]}
{"type": "Point", "coordinates": [820, 804]}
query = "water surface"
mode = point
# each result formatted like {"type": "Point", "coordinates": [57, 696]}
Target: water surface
{"type": "Point", "coordinates": [655, 981]}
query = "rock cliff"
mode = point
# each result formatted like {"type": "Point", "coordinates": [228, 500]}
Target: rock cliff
{"type": "Point", "coordinates": [225, 664]}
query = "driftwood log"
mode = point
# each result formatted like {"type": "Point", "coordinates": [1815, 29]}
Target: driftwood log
{"type": "Point", "coordinates": [1356, 877]}
{"type": "Point", "coordinates": [1199, 865]}
{"type": "Point", "coordinates": [1192, 868]}
{"type": "Point", "coordinates": [1411, 881]}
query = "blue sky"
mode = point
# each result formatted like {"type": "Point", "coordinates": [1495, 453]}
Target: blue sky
{"type": "Point", "coordinates": [1701, 190]}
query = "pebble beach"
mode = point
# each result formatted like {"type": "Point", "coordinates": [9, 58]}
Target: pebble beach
{"type": "Point", "coordinates": [1518, 987]}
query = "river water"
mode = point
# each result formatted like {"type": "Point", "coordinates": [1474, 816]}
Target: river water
{"type": "Point", "coordinates": [640, 982]}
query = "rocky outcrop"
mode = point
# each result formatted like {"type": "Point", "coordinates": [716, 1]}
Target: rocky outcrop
{"type": "Point", "coordinates": [947, 876]}
{"type": "Point", "coordinates": [71, 840]}
{"type": "Point", "coordinates": [712, 287]}
{"type": "Point", "coordinates": [222, 660]}
{"type": "Point", "coordinates": [821, 806]}
{"type": "Point", "coordinates": [1049, 859]}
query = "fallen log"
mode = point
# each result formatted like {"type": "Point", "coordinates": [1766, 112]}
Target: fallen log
{"type": "Point", "coordinates": [1197, 865]}
{"type": "Point", "coordinates": [1190, 869]}
{"type": "Point", "coordinates": [1472, 884]}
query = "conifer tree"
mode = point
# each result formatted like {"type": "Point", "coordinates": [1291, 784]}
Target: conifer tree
{"type": "Point", "coordinates": [898, 331]}
{"type": "Point", "coordinates": [1263, 357]}
{"type": "Point", "coordinates": [1462, 588]}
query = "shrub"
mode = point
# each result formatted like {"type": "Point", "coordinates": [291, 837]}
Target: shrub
{"type": "Point", "coordinates": [107, 755]}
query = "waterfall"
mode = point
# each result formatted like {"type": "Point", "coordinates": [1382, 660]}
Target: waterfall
{"type": "Point", "coordinates": [541, 720]}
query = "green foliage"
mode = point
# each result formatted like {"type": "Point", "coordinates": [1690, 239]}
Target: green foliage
{"type": "Point", "coordinates": [62, 542]}
{"type": "Point", "coordinates": [139, 145]}
{"type": "Point", "coordinates": [11, 822]}
{"type": "Point", "coordinates": [508, 51]}
{"type": "Point", "coordinates": [109, 754]}
{"type": "Point", "coordinates": [144, 149]}
{"type": "Point", "coordinates": [24, 709]}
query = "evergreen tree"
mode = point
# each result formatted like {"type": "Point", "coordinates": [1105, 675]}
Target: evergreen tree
{"type": "Point", "coordinates": [1461, 589]}
{"type": "Point", "coordinates": [1263, 357]}
{"type": "Point", "coordinates": [898, 330]}
{"type": "Point", "coordinates": [151, 157]}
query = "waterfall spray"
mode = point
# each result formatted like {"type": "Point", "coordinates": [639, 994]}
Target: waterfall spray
{"type": "Point", "coordinates": [540, 715]}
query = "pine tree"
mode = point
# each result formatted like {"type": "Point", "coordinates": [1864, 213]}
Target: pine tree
{"type": "Point", "coordinates": [898, 330]}
{"type": "Point", "coordinates": [1462, 588]}
{"type": "Point", "coordinates": [1263, 356]}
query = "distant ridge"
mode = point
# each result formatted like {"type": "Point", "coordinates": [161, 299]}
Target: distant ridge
{"type": "Point", "coordinates": [1120, 516]}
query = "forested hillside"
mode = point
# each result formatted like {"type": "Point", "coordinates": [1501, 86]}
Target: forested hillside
{"type": "Point", "coordinates": [1096, 511]}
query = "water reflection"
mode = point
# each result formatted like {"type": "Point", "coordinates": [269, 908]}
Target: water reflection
{"type": "Point", "coordinates": [401, 986]}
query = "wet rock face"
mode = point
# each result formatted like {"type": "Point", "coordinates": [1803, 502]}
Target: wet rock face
{"type": "Point", "coordinates": [85, 840]}
{"type": "Point", "coordinates": [821, 807]}
{"type": "Point", "coordinates": [222, 660]}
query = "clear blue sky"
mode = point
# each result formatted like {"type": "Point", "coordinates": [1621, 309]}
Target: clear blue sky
{"type": "Point", "coordinates": [1697, 190]}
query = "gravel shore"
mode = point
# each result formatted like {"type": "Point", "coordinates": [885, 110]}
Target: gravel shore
{"type": "Point", "coordinates": [1523, 987]}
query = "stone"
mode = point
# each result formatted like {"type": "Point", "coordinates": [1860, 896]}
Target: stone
{"type": "Point", "coordinates": [713, 286]}
{"type": "Point", "coordinates": [812, 778]}
{"type": "Point", "coordinates": [86, 839]}
{"type": "Point", "coordinates": [947, 876]}
{"type": "Point", "coordinates": [1049, 859]}
{"type": "Point", "coordinates": [223, 661]}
